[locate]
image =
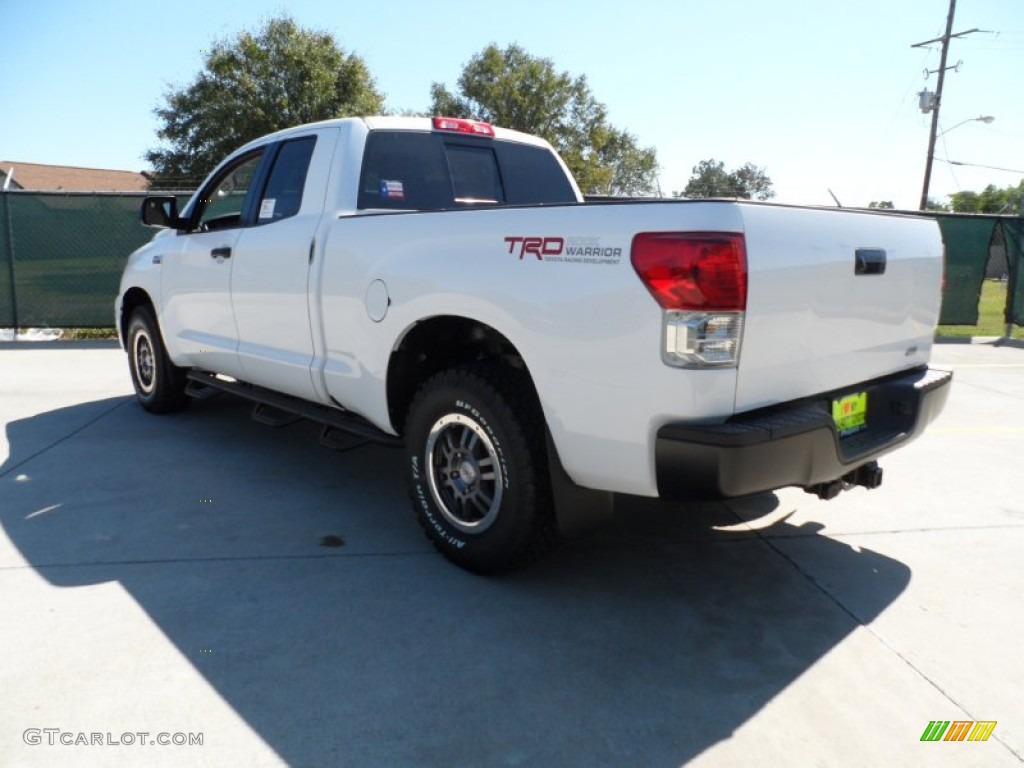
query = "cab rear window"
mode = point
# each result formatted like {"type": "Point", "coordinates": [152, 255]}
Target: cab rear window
{"type": "Point", "coordinates": [421, 171]}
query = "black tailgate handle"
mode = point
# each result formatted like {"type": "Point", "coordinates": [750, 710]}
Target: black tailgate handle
{"type": "Point", "coordinates": [869, 261]}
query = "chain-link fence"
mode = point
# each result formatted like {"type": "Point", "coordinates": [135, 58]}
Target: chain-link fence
{"type": "Point", "coordinates": [61, 257]}
{"type": "Point", "coordinates": [62, 254]}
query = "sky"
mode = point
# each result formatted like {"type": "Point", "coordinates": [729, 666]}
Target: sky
{"type": "Point", "coordinates": [822, 94]}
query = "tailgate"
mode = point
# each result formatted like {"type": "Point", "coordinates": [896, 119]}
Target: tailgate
{"type": "Point", "coordinates": [815, 322]}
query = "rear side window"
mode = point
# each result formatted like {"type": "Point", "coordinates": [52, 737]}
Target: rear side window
{"type": "Point", "coordinates": [282, 196]}
{"type": "Point", "coordinates": [405, 170]}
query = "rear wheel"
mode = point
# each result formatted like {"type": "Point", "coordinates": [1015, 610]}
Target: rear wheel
{"type": "Point", "coordinates": [159, 384]}
{"type": "Point", "coordinates": [478, 473]}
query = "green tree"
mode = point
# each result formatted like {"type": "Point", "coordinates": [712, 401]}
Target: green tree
{"type": "Point", "coordinates": [254, 84]}
{"type": "Point", "coordinates": [511, 88]}
{"type": "Point", "coordinates": [710, 179]}
{"type": "Point", "coordinates": [990, 200]}
{"type": "Point", "coordinates": [881, 204]}
{"type": "Point", "coordinates": [965, 202]}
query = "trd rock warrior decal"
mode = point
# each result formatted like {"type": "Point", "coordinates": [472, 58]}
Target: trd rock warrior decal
{"type": "Point", "coordinates": [573, 250]}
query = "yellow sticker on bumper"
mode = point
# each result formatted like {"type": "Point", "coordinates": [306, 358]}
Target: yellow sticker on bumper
{"type": "Point", "coordinates": [850, 413]}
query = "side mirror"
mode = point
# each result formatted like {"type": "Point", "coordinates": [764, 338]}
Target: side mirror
{"type": "Point", "coordinates": [160, 211]}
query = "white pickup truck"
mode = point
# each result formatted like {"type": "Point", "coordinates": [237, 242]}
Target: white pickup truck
{"type": "Point", "coordinates": [442, 284]}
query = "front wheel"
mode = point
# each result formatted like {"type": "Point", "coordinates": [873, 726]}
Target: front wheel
{"type": "Point", "coordinates": [159, 384]}
{"type": "Point", "coordinates": [478, 473]}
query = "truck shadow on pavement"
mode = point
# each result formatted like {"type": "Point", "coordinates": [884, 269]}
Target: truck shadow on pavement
{"type": "Point", "coordinates": [645, 643]}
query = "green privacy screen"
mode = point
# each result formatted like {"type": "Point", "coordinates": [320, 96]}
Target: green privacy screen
{"type": "Point", "coordinates": [1013, 234]}
{"type": "Point", "coordinates": [967, 240]}
{"type": "Point", "coordinates": [61, 256]}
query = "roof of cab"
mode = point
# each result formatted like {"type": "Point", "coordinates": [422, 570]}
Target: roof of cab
{"type": "Point", "coordinates": [386, 122]}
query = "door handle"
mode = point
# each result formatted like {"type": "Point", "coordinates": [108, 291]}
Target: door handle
{"type": "Point", "coordinates": [869, 261]}
{"type": "Point", "coordinates": [221, 253]}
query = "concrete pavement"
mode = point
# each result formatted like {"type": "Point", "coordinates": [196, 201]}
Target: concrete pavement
{"type": "Point", "coordinates": [203, 574]}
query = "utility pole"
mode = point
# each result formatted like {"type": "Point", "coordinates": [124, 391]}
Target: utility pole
{"type": "Point", "coordinates": [938, 95]}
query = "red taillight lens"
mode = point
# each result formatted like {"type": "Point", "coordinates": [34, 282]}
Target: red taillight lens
{"type": "Point", "coordinates": [693, 270]}
{"type": "Point", "coordinates": [461, 125]}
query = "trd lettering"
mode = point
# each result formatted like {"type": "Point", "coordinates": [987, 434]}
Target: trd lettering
{"type": "Point", "coordinates": [536, 246]}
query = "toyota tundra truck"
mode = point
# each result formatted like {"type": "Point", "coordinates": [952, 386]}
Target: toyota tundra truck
{"type": "Point", "coordinates": [441, 285]}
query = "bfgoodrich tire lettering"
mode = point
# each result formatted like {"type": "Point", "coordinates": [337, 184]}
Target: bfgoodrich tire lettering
{"type": "Point", "coordinates": [159, 384]}
{"type": "Point", "coordinates": [478, 468]}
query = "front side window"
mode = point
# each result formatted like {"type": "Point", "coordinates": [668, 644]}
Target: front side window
{"type": "Point", "coordinates": [282, 196]}
{"type": "Point", "coordinates": [221, 205]}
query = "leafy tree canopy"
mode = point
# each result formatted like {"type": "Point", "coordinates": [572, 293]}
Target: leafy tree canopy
{"type": "Point", "coordinates": [990, 200]}
{"type": "Point", "coordinates": [881, 204]}
{"type": "Point", "coordinates": [280, 76]}
{"type": "Point", "coordinates": [710, 179]}
{"type": "Point", "coordinates": [511, 88]}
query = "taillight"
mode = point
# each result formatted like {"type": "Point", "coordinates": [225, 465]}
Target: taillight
{"type": "Point", "coordinates": [693, 270]}
{"type": "Point", "coordinates": [700, 281]}
{"type": "Point", "coordinates": [462, 125]}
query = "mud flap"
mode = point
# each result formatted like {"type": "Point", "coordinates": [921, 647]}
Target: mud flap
{"type": "Point", "coordinates": [577, 510]}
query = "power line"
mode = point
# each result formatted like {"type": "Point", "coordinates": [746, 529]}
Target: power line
{"type": "Point", "coordinates": [979, 165]}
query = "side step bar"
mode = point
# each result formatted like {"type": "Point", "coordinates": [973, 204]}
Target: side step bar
{"type": "Point", "coordinates": [273, 417]}
{"type": "Point", "coordinates": [265, 399]}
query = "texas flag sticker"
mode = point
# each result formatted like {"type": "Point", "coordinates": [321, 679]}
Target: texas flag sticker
{"type": "Point", "coordinates": [392, 190]}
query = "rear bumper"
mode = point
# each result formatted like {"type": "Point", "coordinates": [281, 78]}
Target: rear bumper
{"type": "Point", "coordinates": [795, 444]}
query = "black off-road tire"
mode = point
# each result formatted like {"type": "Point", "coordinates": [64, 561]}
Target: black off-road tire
{"type": "Point", "coordinates": [478, 470]}
{"type": "Point", "coordinates": [159, 384]}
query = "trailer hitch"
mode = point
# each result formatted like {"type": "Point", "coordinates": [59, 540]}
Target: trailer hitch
{"type": "Point", "coordinates": [867, 475]}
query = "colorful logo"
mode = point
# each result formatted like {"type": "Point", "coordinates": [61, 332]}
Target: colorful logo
{"type": "Point", "coordinates": [958, 730]}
